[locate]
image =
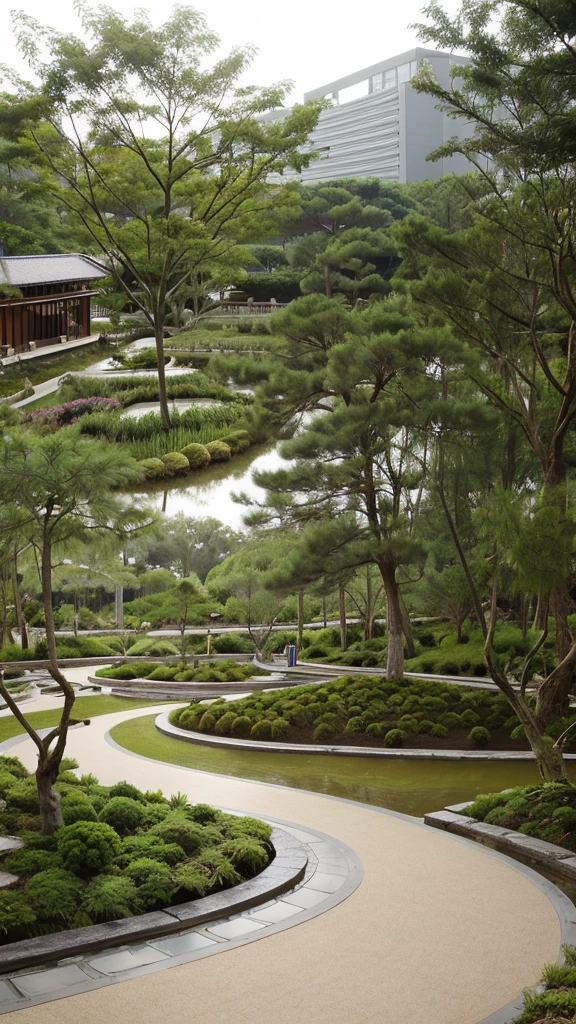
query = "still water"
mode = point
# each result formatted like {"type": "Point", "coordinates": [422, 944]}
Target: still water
{"type": "Point", "coordinates": [413, 787]}
{"type": "Point", "coordinates": [210, 493]}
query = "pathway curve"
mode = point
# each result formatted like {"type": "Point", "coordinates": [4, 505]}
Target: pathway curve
{"type": "Point", "coordinates": [440, 931]}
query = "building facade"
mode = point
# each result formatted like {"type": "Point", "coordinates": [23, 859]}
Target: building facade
{"type": "Point", "coordinates": [45, 299]}
{"type": "Point", "coordinates": [380, 127]}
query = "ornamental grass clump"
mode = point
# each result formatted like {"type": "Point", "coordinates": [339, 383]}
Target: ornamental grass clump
{"type": "Point", "coordinates": [130, 852]}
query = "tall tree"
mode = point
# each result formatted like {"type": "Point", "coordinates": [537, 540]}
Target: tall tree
{"type": "Point", "coordinates": [55, 490]}
{"type": "Point", "coordinates": [163, 161]}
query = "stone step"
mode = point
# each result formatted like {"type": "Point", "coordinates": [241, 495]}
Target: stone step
{"type": "Point", "coordinates": [9, 843]}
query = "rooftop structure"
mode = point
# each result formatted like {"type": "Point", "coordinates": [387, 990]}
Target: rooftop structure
{"type": "Point", "coordinates": [379, 126]}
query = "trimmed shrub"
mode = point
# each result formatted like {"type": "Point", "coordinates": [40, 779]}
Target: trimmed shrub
{"type": "Point", "coordinates": [262, 730]}
{"type": "Point", "coordinates": [237, 441]}
{"type": "Point", "coordinates": [176, 828]}
{"type": "Point", "coordinates": [154, 469]}
{"type": "Point", "coordinates": [479, 736]}
{"type": "Point", "coordinates": [469, 718]}
{"type": "Point", "coordinates": [203, 814]}
{"type": "Point", "coordinates": [127, 789]}
{"type": "Point", "coordinates": [176, 463]}
{"type": "Point", "coordinates": [247, 855]}
{"type": "Point", "coordinates": [394, 738]}
{"type": "Point", "coordinates": [223, 726]}
{"type": "Point", "coordinates": [190, 882]}
{"type": "Point", "coordinates": [54, 894]}
{"type": "Point", "coordinates": [439, 731]}
{"type": "Point", "coordinates": [154, 882]}
{"type": "Point", "coordinates": [232, 643]}
{"type": "Point", "coordinates": [30, 862]}
{"type": "Point", "coordinates": [280, 729]}
{"type": "Point", "coordinates": [152, 847]}
{"type": "Point", "coordinates": [16, 914]}
{"type": "Point", "coordinates": [197, 455]}
{"type": "Point", "coordinates": [123, 814]}
{"type": "Point", "coordinates": [219, 451]}
{"type": "Point", "coordinates": [88, 846]}
{"type": "Point", "coordinates": [241, 727]}
{"type": "Point", "coordinates": [77, 807]}
{"type": "Point", "coordinates": [108, 897]}
{"type": "Point", "coordinates": [324, 732]}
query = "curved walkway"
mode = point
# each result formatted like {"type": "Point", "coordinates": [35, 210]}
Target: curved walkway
{"type": "Point", "coordinates": [439, 932]}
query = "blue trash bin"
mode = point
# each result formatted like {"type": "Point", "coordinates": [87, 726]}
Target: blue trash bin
{"type": "Point", "coordinates": [291, 656]}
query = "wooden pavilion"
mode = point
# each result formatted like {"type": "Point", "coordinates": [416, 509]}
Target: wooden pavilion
{"type": "Point", "coordinates": [45, 299]}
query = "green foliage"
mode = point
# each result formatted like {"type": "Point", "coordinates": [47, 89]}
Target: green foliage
{"type": "Point", "coordinates": [479, 736]}
{"type": "Point", "coordinates": [394, 738]}
{"type": "Point", "coordinates": [54, 894]}
{"type": "Point", "coordinates": [88, 847]}
{"type": "Point", "coordinates": [262, 730]}
{"type": "Point", "coordinates": [218, 451]}
{"type": "Point", "coordinates": [77, 807]}
{"type": "Point", "coordinates": [176, 463]}
{"type": "Point", "coordinates": [176, 828]}
{"type": "Point", "coordinates": [16, 915]}
{"type": "Point", "coordinates": [123, 814]}
{"type": "Point", "coordinates": [154, 469]}
{"type": "Point", "coordinates": [107, 898]}
{"type": "Point", "coordinates": [198, 455]}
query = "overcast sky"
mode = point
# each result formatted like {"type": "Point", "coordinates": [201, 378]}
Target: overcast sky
{"type": "Point", "coordinates": [311, 42]}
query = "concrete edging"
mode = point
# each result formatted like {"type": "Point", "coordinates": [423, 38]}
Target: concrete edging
{"type": "Point", "coordinates": [547, 855]}
{"type": "Point", "coordinates": [283, 873]}
{"type": "Point", "coordinates": [164, 726]}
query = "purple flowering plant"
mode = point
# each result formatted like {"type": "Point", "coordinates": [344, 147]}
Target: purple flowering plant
{"type": "Point", "coordinates": [68, 413]}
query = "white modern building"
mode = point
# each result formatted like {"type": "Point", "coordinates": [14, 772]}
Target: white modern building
{"type": "Point", "coordinates": [380, 127]}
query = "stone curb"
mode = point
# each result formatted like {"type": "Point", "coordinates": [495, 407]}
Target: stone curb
{"type": "Point", "coordinates": [163, 725]}
{"type": "Point", "coordinates": [284, 872]}
{"type": "Point", "coordinates": [548, 855]}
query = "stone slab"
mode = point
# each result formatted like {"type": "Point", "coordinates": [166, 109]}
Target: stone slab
{"type": "Point", "coordinates": [305, 898]}
{"type": "Point", "coordinates": [55, 980]}
{"type": "Point", "coordinates": [324, 882]}
{"type": "Point", "coordinates": [7, 994]}
{"type": "Point", "coordinates": [280, 911]}
{"type": "Point", "coordinates": [236, 929]}
{"type": "Point", "coordinates": [532, 845]}
{"type": "Point", "coordinates": [9, 843]}
{"type": "Point", "coordinates": [177, 945]}
{"type": "Point", "coordinates": [127, 959]}
{"type": "Point", "coordinates": [7, 880]}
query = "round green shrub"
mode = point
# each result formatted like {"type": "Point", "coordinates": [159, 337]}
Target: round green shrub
{"type": "Point", "coordinates": [16, 914]}
{"type": "Point", "coordinates": [190, 882]}
{"type": "Point", "coordinates": [518, 733]}
{"type": "Point", "coordinates": [224, 724]}
{"type": "Point", "coordinates": [127, 789]}
{"type": "Point", "coordinates": [88, 846]}
{"type": "Point", "coordinates": [237, 440]}
{"type": "Point", "coordinates": [23, 796]}
{"type": "Point", "coordinates": [324, 732]}
{"type": "Point", "coordinates": [425, 726]}
{"type": "Point", "coordinates": [247, 855]}
{"type": "Point", "coordinates": [177, 829]}
{"type": "Point", "coordinates": [219, 451]}
{"type": "Point", "coordinates": [135, 847]}
{"type": "Point", "coordinates": [241, 727]}
{"type": "Point", "coordinates": [154, 469]}
{"type": "Point", "coordinates": [469, 718]}
{"type": "Point", "coordinates": [376, 729]}
{"type": "Point", "coordinates": [196, 455]}
{"type": "Point", "coordinates": [479, 736]}
{"type": "Point", "coordinates": [154, 882]}
{"type": "Point", "coordinates": [408, 724]}
{"type": "Point", "coordinates": [30, 862]}
{"type": "Point", "coordinates": [109, 897]}
{"type": "Point", "coordinates": [54, 894]}
{"type": "Point", "coordinates": [451, 720]}
{"type": "Point", "coordinates": [394, 738]}
{"type": "Point", "coordinates": [280, 729]}
{"type": "Point", "coordinates": [448, 668]}
{"type": "Point", "coordinates": [203, 814]}
{"type": "Point", "coordinates": [439, 731]}
{"type": "Point", "coordinates": [262, 730]}
{"type": "Point", "coordinates": [190, 718]}
{"type": "Point", "coordinates": [123, 814]}
{"type": "Point", "coordinates": [176, 464]}
{"type": "Point", "coordinates": [207, 722]}
{"type": "Point", "coordinates": [354, 724]}
{"type": "Point", "coordinates": [77, 807]}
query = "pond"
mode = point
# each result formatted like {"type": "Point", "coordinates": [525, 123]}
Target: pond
{"type": "Point", "coordinates": [413, 787]}
{"type": "Point", "coordinates": [209, 492]}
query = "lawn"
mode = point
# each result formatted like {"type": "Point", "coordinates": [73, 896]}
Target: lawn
{"type": "Point", "coordinates": [44, 368]}
{"type": "Point", "coordinates": [84, 707]}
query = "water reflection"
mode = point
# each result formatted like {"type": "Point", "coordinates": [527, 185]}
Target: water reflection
{"type": "Point", "coordinates": [209, 493]}
{"type": "Point", "coordinates": [413, 787]}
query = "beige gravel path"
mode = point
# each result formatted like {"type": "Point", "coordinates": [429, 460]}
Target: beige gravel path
{"type": "Point", "coordinates": [439, 931]}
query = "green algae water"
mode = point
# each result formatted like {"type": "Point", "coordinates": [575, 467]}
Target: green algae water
{"type": "Point", "coordinates": [413, 787]}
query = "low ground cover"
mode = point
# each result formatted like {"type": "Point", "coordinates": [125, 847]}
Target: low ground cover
{"type": "Point", "coordinates": [121, 852]}
{"type": "Point", "coordinates": [546, 812]}
{"type": "Point", "coordinates": [365, 711]}
{"type": "Point", "coordinates": [212, 671]}
{"type": "Point", "coordinates": [557, 1003]}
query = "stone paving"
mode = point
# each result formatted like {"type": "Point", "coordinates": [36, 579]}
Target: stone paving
{"type": "Point", "coordinates": [441, 931]}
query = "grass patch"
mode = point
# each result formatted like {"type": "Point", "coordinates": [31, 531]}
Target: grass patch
{"type": "Point", "coordinates": [84, 707]}
{"type": "Point", "coordinates": [545, 812]}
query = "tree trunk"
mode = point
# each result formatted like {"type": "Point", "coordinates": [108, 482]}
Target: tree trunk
{"type": "Point", "coordinates": [395, 659]}
{"type": "Point", "coordinates": [324, 612]}
{"type": "Point", "coordinates": [48, 797]}
{"type": "Point", "coordinates": [162, 393]}
{"type": "Point", "coordinates": [18, 604]}
{"type": "Point", "coordinates": [119, 605]}
{"type": "Point", "coordinates": [369, 617]}
{"type": "Point", "coordinates": [327, 282]}
{"type": "Point", "coordinates": [300, 619]}
{"type": "Point", "coordinates": [343, 624]}
{"type": "Point", "coordinates": [407, 628]}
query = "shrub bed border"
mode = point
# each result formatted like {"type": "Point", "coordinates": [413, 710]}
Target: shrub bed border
{"type": "Point", "coordinates": [282, 874]}
{"type": "Point", "coordinates": [163, 725]}
{"type": "Point", "coordinates": [505, 840]}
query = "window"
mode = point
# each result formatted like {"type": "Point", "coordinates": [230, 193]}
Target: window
{"type": "Point", "coordinates": [377, 83]}
{"type": "Point", "coordinates": [413, 68]}
{"type": "Point", "coordinates": [390, 79]}
{"type": "Point", "coordinates": [404, 73]}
